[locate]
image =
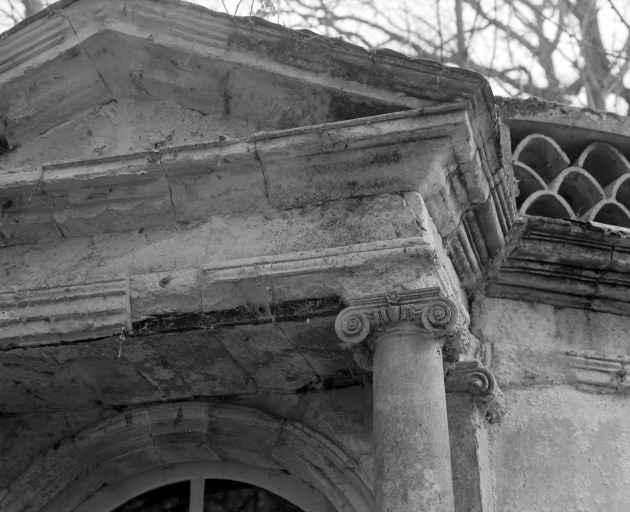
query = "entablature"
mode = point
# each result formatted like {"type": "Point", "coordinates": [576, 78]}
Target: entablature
{"type": "Point", "coordinates": [567, 264]}
{"type": "Point", "coordinates": [430, 152]}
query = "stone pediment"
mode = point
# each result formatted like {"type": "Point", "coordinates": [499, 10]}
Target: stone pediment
{"type": "Point", "coordinates": [182, 114]}
{"type": "Point", "coordinates": [231, 76]}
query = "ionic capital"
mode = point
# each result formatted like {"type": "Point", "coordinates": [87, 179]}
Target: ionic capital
{"type": "Point", "coordinates": [471, 376]}
{"type": "Point", "coordinates": [426, 308]}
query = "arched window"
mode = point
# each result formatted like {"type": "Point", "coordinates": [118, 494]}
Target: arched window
{"type": "Point", "coordinates": [176, 454]}
{"type": "Point", "coordinates": [209, 495]}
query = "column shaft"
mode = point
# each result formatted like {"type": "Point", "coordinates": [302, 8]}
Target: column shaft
{"type": "Point", "coordinates": [412, 466]}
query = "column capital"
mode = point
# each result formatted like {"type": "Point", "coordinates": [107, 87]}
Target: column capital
{"type": "Point", "coordinates": [472, 377]}
{"type": "Point", "coordinates": [426, 308]}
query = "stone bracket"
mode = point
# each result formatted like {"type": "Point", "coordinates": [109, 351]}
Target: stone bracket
{"type": "Point", "coordinates": [472, 377]}
{"type": "Point", "coordinates": [427, 308]}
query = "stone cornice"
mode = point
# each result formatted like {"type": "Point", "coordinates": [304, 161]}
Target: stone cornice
{"type": "Point", "coordinates": [569, 126]}
{"type": "Point", "coordinates": [64, 313]}
{"type": "Point", "coordinates": [470, 206]}
{"type": "Point", "coordinates": [308, 262]}
{"type": "Point", "coordinates": [451, 129]}
{"type": "Point", "coordinates": [566, 264]}
{"type": "Point", "coordinates": [427, 308]}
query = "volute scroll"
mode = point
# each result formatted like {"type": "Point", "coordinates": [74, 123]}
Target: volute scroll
{"type": "Point", "coordinates": [426, 308]}
{"type": "Point", "coordinates": [472, 377]}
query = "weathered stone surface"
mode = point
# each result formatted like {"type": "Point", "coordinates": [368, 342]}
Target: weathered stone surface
{"type": "Point", "coordinates": [46, 380]}
{"type": "Point", "coordinates": [145, 356]}
{"type": "Point", "coordinates": [203, 363]}
{"type": "Point", "coordinates": [99, 370]}
{"type": "Point", "coordinates": [334, 363]}
{"type": "Point", "coordinates": [564, 448]}
{"type": "Point", "coordinates": [566, 264]}
{"type": "Point", "coordinates": [24, 437]}
{"type": "Point", "coordinates": [63, 313]}
{"type": "Point", "coordinates": [537, 344]}
{"type": "Point", "coordinates": [219, 183]}
{"type": "Point", "coordinates": [165, 293]}
{"type": "Point", "coordinates": [472, 473]}
{"type": "Point", "coordinates": [32, 105]}
{"type": "Point", "coordinates": [563, 261]}
{"type": "Point", "coordinates": [161, 87]}
{"type": "Point", "coordinates": [563, 372]}
{"type": "Point", "coordinates": [569, 126]}
{"type": "Point", "coordinates": [271, 356]}
{"type": "Point", "coordinates": [412, 462]}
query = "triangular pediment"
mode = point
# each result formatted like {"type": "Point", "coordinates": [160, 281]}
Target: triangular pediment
{"type": "Point", "coordinates": [174, 73]}
{"type": "Point", "coordinates": [118, 117]}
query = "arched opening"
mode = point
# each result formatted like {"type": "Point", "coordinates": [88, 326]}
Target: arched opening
{"type": "Point", "coordinates": [198, 486]}
{"type": "Point", "coordinates": [208, 495]}
{"type": "Point", "coordinates": [116, 460]}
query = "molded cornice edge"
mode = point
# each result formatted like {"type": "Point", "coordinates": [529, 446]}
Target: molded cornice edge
{"type": "Point", "coordinates": [566, 264]}
{"type": "Point", "coordinates": [174, 23]}
{"type": "Point", "coordinates": [64, 313]}
{"type": "Point", "coordinates": [431, 151]}
{"type": "Point", "coordinates": [258, 44]}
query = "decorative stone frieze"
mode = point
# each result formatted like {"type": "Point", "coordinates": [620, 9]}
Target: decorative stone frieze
{"type": "Point", "coordinates": [472, 377]}
{"type": "Point", "coordinates": [426, 308]}
{"type": "Point", "coordinates": [64, 313]}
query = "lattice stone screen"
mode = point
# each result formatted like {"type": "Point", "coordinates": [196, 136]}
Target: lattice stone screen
{"type": "Point", "coordinates": [595, 187]}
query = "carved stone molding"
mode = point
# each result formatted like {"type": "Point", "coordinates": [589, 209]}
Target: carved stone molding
{"type": "Point", "coordinates": [152, 437]}
{"type": "Point", "coordinates": [426, 308]}
{"type": "Point", "coordinates": [567, 264]}
{"type": "Point", "coordinates": [53, 314]}
{"type": "Point", "coordinates": [472, 377]}
{"type": "Point", "coordinates": [592, 371]}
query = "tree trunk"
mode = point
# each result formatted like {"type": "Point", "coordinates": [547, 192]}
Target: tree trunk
{"type": "Point", "coordinates": [32, 6]}
{"type": "Point", "coordinates": [596, 66]}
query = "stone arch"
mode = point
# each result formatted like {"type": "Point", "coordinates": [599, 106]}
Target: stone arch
{"type": "Point", "coordinates": [284, 485]}
{"type": "Point", "coordinates": [153, 445]}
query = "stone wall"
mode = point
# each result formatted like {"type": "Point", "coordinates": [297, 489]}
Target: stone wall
{"type": "Point", "coordinates": [565, 443]}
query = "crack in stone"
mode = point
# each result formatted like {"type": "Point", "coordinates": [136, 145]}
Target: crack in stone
{"type": "Point", "coordinates": [296, 348]}
{"type": "Point", "coordinates": [262, 169]}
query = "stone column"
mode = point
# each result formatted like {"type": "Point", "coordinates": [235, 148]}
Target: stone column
{"type": "Point", "coordinates": [412, 463]}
